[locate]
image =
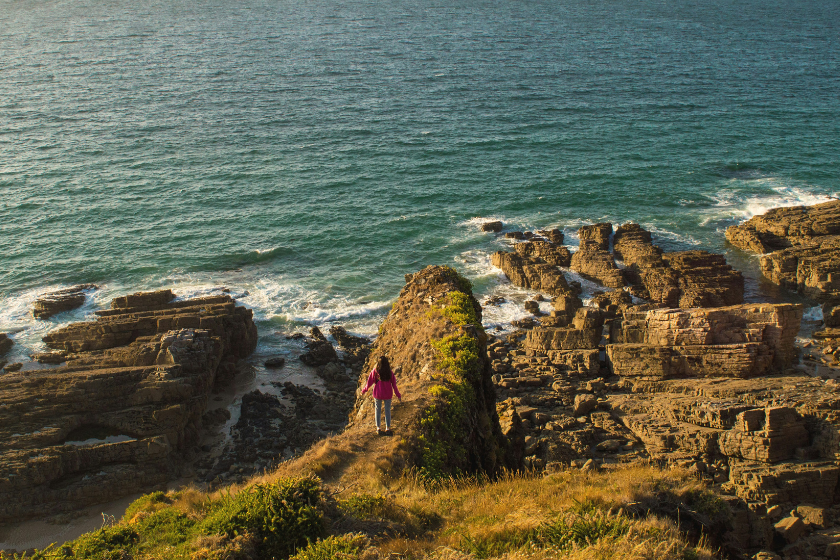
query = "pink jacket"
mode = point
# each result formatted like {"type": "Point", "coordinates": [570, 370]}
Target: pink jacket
{"type": "Point", "coordinates": [382, 390]}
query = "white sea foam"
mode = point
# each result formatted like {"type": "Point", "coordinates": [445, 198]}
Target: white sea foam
{"type": "Point", "coordinates": [97, 441]}
{"type": "Point", "coordinates": [739, 206]}
{"type": "Point", "coordinates": [813, 314]}
{"type": "Point", "coordinates": [16, 318]}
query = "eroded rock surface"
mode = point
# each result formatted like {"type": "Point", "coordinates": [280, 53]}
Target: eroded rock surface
{"type": "Point", "coordinates": [126, 404]}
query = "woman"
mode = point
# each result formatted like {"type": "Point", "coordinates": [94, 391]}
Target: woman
{"type": "Point", "coordinates": [384, 387]}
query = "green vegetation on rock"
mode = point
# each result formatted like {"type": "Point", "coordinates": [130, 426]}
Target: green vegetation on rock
{"type": "Point", "coordinates": [442, 424]}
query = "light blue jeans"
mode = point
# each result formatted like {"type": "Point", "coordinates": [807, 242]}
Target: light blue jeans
{"type": "Point", "coordinates": [378, 412]}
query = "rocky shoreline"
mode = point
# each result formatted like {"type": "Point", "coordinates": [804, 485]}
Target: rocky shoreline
{"type": "Point", "coordinates": [667, 364]}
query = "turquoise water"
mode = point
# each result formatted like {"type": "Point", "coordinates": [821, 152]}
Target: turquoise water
{"type": "Point", "coordinates": [309, 154]}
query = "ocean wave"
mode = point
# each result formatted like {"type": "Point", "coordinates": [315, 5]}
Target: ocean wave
{"type": "Point", "coordinates": [813, 313]}
{"type": "Point", "coordinates": [679, 238]}
{"type": "Point", "coordinates": [245, 258]}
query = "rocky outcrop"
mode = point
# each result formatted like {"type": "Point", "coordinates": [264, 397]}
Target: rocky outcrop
{"type": "Point", "coordinates": [739, 341]}
{"type": "Point", "coordinates": [127, 402]}
{"type": "Point", "coordinates": [430, 335]}
{"type": "Point", "coordinates": [356, 348]}
{"type": "Point", "coordinates": [800, 247]}
{"type": "Point", "coordinates": [495, 227]}
{"type": "Point", "coordinates": [151, 313]}
{"type": "Point", "coordinates": [596, 233]}
{"type": "Point", "coordinates": [781, 228]}
{"type": "Point", "coordinates": [679, 279]}
{"type": "Point", "coordinates": [446, 422]}
{"type": "Point", "coordinates": [61, 300]}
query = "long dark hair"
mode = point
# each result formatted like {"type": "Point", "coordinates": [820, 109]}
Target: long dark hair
{"type": "Point", "coordinates": [383, 368]}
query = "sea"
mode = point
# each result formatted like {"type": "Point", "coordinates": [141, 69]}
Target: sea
{"type": "Point", "coordinates": [306, 155]}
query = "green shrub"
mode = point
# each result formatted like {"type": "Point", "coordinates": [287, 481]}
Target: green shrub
{"type": "Point", "coordinates": [149, 503]}
{"type": "Point", "coordinates": [284, 516]}
{"type": "Point", "coordinates": [109, 543]}
{"type": "Point", "coordinates": [460, 310]}
{"type": "Point", "coordinates": [343, 547]}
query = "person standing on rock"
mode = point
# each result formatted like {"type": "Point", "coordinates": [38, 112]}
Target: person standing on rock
{"type": "Point", "coordinates": [384, 386]}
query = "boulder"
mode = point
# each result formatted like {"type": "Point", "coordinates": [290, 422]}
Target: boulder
{"type": "Point", "coordinates": [492, 226]}
{"type": "Point", "coordinates": [596, 233]}
{"type": "Point", "coordinates": [584, 404]}
{"type": "Point", "coordinates": [275, 362]}
{"type": "Point", "coordinates": [813, 516]}
{"type": "Point", "coordinates": [528, 273]}
{"type": "Point", "coordinates": [592, 261]}
{"type": "Point", "coordinates": [61, 300]}
{"type": "Point", "coordinates": [790, 528]}
{"type": "Point", "coordinates": [553, 235]}
{"type": "Point", "coordinates": [540, 251]}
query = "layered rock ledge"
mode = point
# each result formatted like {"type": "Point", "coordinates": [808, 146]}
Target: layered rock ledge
{"type": "Point", "coordinates": [124, 407]}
